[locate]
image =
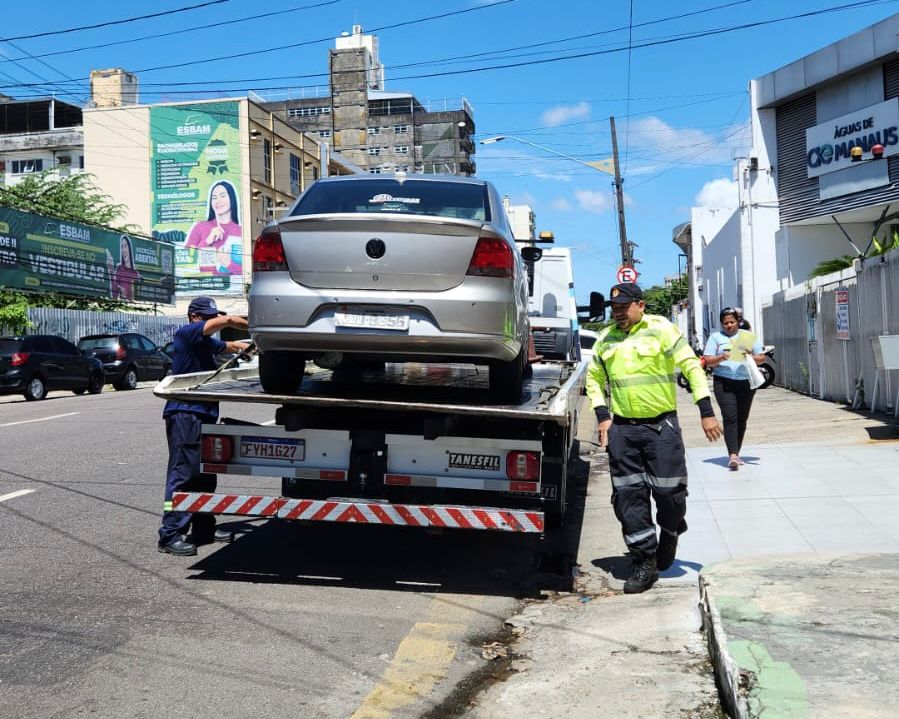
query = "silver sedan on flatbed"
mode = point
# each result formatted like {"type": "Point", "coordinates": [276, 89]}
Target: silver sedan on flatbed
{"type": "Point", "coordinates": [391, 268]}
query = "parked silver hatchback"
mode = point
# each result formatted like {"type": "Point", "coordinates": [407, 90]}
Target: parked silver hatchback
{"type": "Point", "coordinates": [391, 268]}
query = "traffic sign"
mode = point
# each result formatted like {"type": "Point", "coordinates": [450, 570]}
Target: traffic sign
{"type": "Point", "coordinates": [626, 274]}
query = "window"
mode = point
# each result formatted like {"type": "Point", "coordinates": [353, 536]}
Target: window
{"type": "Point", "coordinates": [375, 151]}
{"type": "Point", "coordinates": [324, 134]}
{"type": "Point", "coordinates": [401, 129]}
{"type": "Point", "coordinates": [436, 198]}
{"type": "Point", "coordinates": [374, 131]}
{"type": "Point", "coordinates": [374, 170]}
{"type": "Point", "coordinates": [402, 149]}
{"type": "Point", "coordinates": [308, 111]}
{"type": "Point", "coordinates": [24, 167]}
{"type": "Point", "coordinates": [267, 161]}
{"type": "Point", "coordinates": [80, 162]}
{"type": "Point", "coordinates": [267, 213]}
{"type": "Point", "coordinates": [294, 171]}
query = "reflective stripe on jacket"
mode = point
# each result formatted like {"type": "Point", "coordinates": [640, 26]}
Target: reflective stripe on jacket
{"type": "Point", "coordinates": [638, 365]}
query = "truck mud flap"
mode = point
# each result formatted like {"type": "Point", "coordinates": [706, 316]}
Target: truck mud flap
{"type": "Point", "coordinates": [361, 512]}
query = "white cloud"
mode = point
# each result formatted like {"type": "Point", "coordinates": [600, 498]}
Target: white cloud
{"type": "Point", "coordinates": [563, 113]}
{"type": "Point", "coordinates": [718, 193]}
{"type": "Point", "coordinates": [561, 204]}
{"type": "Point", "coordinates": [515, 160]}
{"type": "Point", "coordinates": [659, 143]}
{"type": "Point", "coordinates": [593, 201]}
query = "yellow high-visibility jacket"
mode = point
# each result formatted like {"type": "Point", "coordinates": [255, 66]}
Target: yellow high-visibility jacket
{"type": "Point", "coordinates": [638, 365]}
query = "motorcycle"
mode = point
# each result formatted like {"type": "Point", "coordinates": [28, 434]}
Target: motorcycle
{"type": "Point", "coordinates": [767, 368]}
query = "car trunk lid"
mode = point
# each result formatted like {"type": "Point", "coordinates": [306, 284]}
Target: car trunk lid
{"type": "Point", "coordinates": [366, 251]}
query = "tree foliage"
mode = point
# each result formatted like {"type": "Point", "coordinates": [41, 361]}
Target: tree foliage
{"type": "Point", "coordinates": [659, 299]}
{"type": "Point", "coordinates": [75, 198]}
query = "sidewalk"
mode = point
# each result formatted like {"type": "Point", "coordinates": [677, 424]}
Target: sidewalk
{"type": "Point", "coordinates": [809, 634]}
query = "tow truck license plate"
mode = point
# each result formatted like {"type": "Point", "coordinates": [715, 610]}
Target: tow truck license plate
{"type": "Point", "coordinates": [273, 448]}
{"type": "Point", "coordinates": [375, 318]}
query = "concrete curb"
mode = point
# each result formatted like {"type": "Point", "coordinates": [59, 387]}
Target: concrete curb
{"type": "Point", "coordinates": [733, 684]}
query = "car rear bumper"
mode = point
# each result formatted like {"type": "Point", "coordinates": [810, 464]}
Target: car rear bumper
{"type": "Point", "coordinates": [12, 382]}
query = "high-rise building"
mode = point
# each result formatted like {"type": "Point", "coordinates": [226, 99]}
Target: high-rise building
{"type": "Point", "coordinates": [378, 130]}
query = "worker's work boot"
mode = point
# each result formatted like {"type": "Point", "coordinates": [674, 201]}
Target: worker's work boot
{"type": "Point", "coordinates": [178, 547]}
{"type": "Point", "coordinates": [667, 550]}
{"type": "Point", "coordinates": [643, 577]}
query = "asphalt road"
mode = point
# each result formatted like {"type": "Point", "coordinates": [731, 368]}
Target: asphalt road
{"type": "Point", "coordinates": [289, 620]}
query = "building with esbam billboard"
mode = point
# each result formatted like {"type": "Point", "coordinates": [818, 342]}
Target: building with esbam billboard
{"type": "Point", "coordinates": [205, 176]}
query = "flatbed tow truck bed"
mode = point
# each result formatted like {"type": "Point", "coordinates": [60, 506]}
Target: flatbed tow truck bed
{"type": "Point", "coordinates": [412, 445]}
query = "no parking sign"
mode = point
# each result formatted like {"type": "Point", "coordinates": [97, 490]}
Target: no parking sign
{"type": "Point", "coordinates": [626, 274]}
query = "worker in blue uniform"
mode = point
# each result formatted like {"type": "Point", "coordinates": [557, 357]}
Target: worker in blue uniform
{"type": "Point", "coordinates": [195, 350]}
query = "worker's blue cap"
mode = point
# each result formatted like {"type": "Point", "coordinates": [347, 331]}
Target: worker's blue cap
{"type": "Point", "coordinates": [625, 293]}
{"type": "Point", "coordinates": [203, 306]}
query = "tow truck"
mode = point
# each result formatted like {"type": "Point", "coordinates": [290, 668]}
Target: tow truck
{"type": "Point", "coordinates": [407, 445]}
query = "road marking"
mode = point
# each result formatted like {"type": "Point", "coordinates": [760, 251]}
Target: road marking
{"type": "Point", "coordinates": [40, 419]}
{"type": "Point", "coordinates": [421, 660]}
{"type": "Point", "coordinates": [13, 495]}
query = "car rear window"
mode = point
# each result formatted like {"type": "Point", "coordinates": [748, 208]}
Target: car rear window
{"type": "Point", "coordinates": [9, 347]}
{"type": "Point", "coordinates": [98, 343]}
{"type": "Point", "coordinates": [410, 197]}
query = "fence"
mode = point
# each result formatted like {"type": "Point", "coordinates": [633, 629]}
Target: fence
{"type": "Point", "coordinates": [802, 323]}
{"type": "Point", "coordinates": [73, 324]}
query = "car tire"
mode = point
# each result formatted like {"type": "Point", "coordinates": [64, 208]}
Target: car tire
{"type": "Point", "coordinates": [506, 378]}
{"type": "Point", "coordinates": [36, 389]}
{"type": "Point", "coordinates": [281, 372]}
{"type": "Point", "coordinates": [95, 383]}
{"type": "Point", "coordinates": [128, 381]}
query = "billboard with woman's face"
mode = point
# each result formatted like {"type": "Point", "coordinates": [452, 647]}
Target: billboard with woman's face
{"type": "Point", "coordinates": [195, 180]}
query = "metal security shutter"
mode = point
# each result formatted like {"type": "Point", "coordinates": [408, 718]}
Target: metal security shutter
{"type": "Point", "coordinates": [891, 89]}
{"type": "Point", "coordinates": [796, 192]}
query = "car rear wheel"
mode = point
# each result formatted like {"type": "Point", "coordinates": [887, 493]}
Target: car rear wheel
{"type": "Point", "coordinates": [128, 381]}
{"type": "Point", "coordinates": [35, 389]}
{"type": "Point", "coordinates": [95, 383]}
{"type": "Point", "coordinates": [506, 378]}
{"type": "Point", "coordinates": [281, 372]}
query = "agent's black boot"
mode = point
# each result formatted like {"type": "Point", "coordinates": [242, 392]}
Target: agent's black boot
{"type": "Point", "coordinates": [667, 550]}
{"type": "Point", "coordinates": [643, 577]}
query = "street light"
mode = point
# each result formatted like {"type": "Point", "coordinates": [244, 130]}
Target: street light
{"type": "Point", "coordinates": [607, 165]}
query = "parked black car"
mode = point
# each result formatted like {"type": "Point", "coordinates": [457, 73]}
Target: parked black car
{"type": "Point", "coordinates": [128, 358]}
{"type": "Point", "coordinates": [35, 364]}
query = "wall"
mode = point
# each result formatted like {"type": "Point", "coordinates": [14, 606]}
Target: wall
{"type": "Point", "coordinates": [117, 153]}
{"type": "Point", "coordinates": [708, 226]}
{"type": "Point", "coordinates": [801, 323]}
{"type": "Point", "coordinates": [799, 249]}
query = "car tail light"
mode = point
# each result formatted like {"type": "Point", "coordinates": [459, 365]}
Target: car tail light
{"type": "Point", "coordinates": [19, 358]}
{"type": "Point", "coordinates": [523, 466]}
{"type": "Point", "coordinates": [119, 352]}
{"type": "Point", "coordinates": [217, 448]}
{"type": "Point", "coordinates": [492, 258]}
{"type": "Point", "coordinates": [268, 252]}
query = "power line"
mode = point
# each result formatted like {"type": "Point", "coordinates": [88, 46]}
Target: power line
{"type": "Point", "coordinates": [630, 47]}
{"type": "Point", "coordinates": [109, 23]}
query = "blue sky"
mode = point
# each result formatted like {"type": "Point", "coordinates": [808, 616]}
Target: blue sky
{"type": "Point", "coordinates": [681, 107]}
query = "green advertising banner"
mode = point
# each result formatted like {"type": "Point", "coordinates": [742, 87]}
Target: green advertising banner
{"type": "Point", "coordinates": [46, 254]}
{"type": "Point", "coordinates": [195, 173]}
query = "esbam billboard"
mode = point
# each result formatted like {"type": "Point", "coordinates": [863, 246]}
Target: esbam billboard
{"type": "Point", "coordinates": [828, 145]}
{"type": "Point", "coordinates": [46, 254]}
{"type": "Point", "coordinates": [195, 179]}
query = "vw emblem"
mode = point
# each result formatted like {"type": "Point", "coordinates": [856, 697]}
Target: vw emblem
{"type": "Point", "coordinates": [375, 248]}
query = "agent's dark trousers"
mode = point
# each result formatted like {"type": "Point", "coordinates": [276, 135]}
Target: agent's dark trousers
{"type": "Point", "coordinates": [182, 429]}
{"type": "Point", "coordinates": [648, 460]}
{"type": "Point", "coordinates": [735, 400]}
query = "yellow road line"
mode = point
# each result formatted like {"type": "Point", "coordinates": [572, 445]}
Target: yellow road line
{"type": "Point", "coordinates": [421, 660]}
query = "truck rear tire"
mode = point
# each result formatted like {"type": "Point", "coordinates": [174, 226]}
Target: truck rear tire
{"type": "Point", "coordinates": [281, 372]}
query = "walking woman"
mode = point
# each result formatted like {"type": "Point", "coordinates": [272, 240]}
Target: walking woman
{"type": "Point", "coordinates": [725, 353]}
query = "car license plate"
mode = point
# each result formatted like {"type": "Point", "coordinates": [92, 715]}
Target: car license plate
{"type": "Point", "coordinates": [293, 450]}
{"type": "Point", "coordinates": [374, 318]}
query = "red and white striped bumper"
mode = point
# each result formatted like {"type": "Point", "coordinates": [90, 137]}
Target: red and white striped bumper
{"type": "Point", "coordinates": [361, 512]}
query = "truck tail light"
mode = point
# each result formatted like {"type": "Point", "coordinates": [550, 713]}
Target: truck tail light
{"type": "Point", "coordinates": [523, 466]}
{"type": "Point", "coordinates": [217, 448]}
{"type": "Point", "coordinates": [492, 258]}
{"type": "Point", "coordinates": [119, 352]}
{"type": "Point", "coordinates": [19, 358]}
{"type": "Point", "coordinates": [268, 251]}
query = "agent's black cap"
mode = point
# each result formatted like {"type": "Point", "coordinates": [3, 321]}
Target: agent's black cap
{"type": "Point", "coordinates": [625, 293]}
{"type": "Point", "coordinates": [203, 306]}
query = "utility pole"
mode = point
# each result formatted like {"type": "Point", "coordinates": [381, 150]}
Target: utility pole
{"type": "Point", "coordinates": [626, 259]}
